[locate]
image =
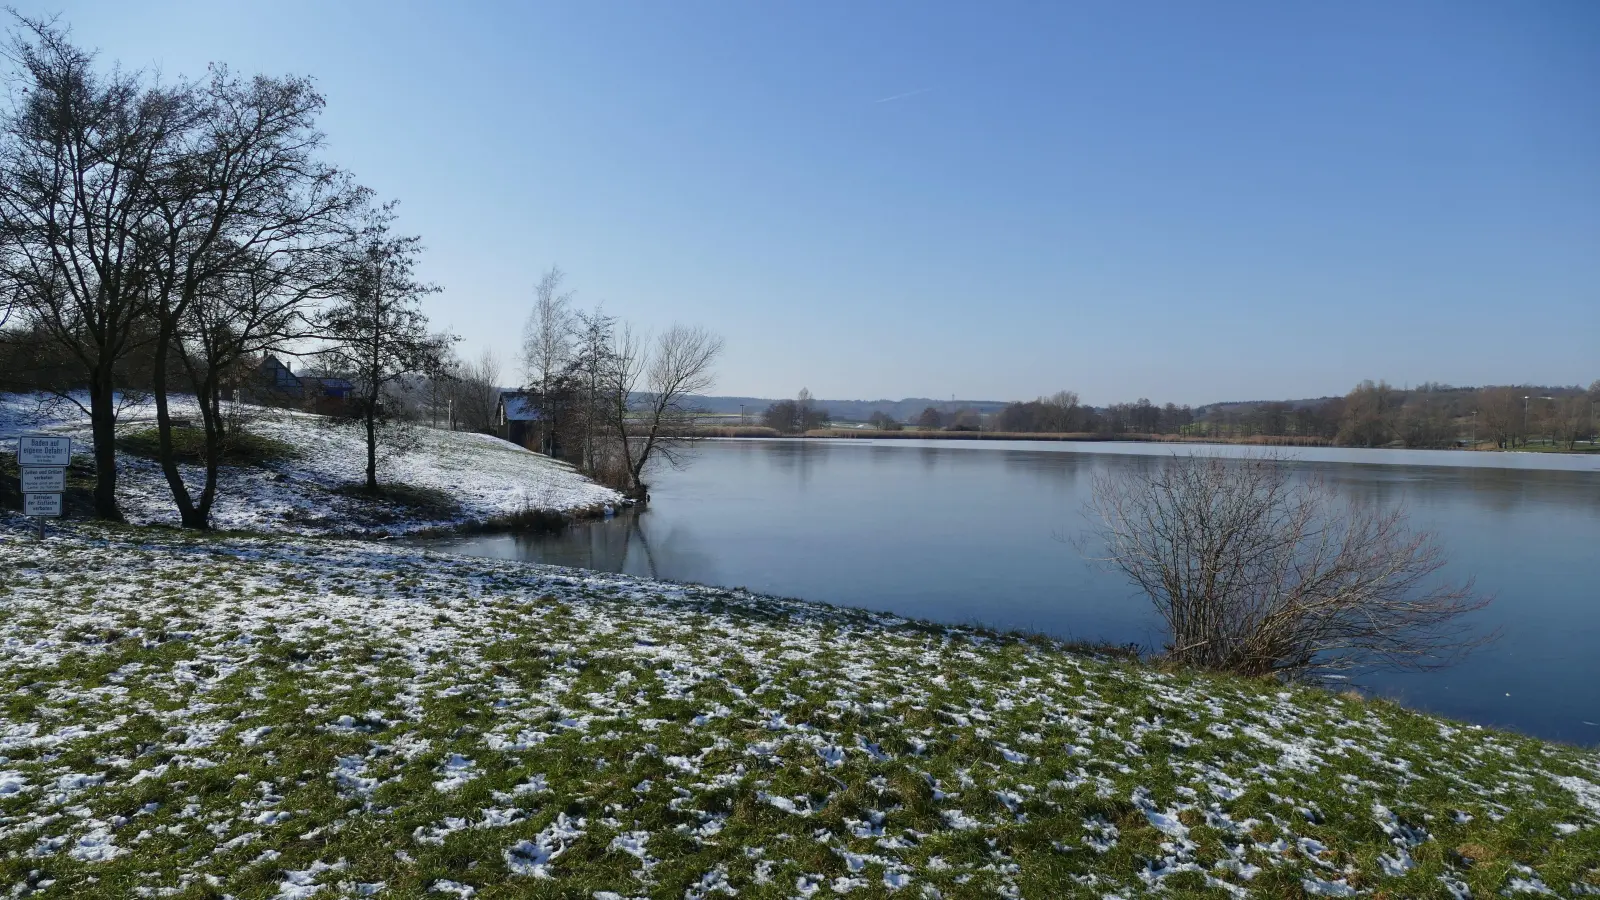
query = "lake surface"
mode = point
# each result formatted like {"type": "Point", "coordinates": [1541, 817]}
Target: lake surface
{"type": "Point", "coordinates": [980, 532]}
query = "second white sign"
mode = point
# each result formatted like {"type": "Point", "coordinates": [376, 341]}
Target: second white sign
{"type": "Point", "coordinates": [44, 481]}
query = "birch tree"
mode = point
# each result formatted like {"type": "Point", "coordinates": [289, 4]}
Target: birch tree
{"type": "Point", "coordinates": [547, 341]}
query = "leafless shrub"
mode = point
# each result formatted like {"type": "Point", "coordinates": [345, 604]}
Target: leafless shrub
{"type": "Point", "coordinates": [1259, 572]}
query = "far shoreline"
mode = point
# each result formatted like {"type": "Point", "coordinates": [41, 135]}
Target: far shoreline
{"type": "Point", "coordinates": [762, 432]}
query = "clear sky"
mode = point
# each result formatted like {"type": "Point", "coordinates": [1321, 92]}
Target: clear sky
{"type": "Point", "coordinates": [1183, 201]}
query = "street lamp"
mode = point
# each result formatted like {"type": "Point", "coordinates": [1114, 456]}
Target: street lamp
{"type": "Point", "coordinates": [1525, 399]}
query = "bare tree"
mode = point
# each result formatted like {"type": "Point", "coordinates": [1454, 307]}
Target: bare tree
{"type": "Point", "coordinates": [376, 330]}
{"type": "Point", "coordinates": [623, 371]}
{"type": "Point", "coordinates": [1258, 572]}
{"type": "Point", "coordinates": [796, 416]}
{"type": "Point", "coordinates": [1369, 415]}
{"type": "Point", "coordinates": [77, 154]}
{"type": "Point", "coordinates": [246, 214]}
{"type": "Point", "coordinates": [1064, 413]}
{"type": "Point", "coordinates": [1572, 418]}
{"type": "Point", "coordinates": [261, 305]}
{"type": "Point", "coordinates": [547, 341]}
{"type": "Point", "coordinates": [591, 359]}
{"type": "Point", "coordinates": [679, 366]}
{"type": "Point", "coordinates": [782, 416]}
{"type": "Point", "coordinates": [1501, 414]}
{"type": "Point", "coordinates": [478, 394]}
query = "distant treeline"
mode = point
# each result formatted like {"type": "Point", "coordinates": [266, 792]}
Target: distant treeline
{"type": "Point", "coordinates": [1377, 414]}
{"type": "Point", "coordinates": [1373, 414]}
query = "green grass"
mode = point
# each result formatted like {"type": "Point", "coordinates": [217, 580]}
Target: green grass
{"type": "Point", "coordinates": [239, 448]}
{"type": "Point", "coordinates": [408, 500]}
{"type": "Point", "coordinates": [1560, 448]}
{"type": "Point", "coordinates": [650, 708]}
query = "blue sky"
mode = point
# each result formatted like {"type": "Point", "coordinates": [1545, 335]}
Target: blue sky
{"type": "Point", "coordinates": [1183, 201]}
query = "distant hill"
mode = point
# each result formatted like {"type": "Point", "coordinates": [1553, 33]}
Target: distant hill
{"type": "Point", "coordinates": [853, 410]}
{"type": "Point", "coordinates": [1239, 405]}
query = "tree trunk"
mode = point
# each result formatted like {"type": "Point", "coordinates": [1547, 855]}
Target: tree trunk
{"type": "Point", "coordinates": [372, 444]}
{"type": "Point", "coordinates": [640, 491]}
{"type": "Point", "coordinates": [208, 396]}
{"type": "Point", "coordinates": [623, 445]}
{"type": "Point", "coordinates": [169, 463]}
{"type": "Point", "coordinates": [103, 422]}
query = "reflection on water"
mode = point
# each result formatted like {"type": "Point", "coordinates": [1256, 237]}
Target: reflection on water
{"type": "Point", "coordinates": [964, 533]}
{"type": "Point", "coordinates": [621, 544]}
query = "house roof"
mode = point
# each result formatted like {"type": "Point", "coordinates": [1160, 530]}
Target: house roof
{"type": "Point", "coordinates": [280, 372]}
{"type": "Point", "coordinates": [520, 407]}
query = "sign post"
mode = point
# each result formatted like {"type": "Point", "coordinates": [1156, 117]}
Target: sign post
{"type": "Point", "coordinates": [44, 459]}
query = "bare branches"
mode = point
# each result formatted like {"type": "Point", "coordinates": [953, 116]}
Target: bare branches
{"type": "Point", "coordinates": [1260, 572]}
{"type": "Point", "coordinates": [376, 330]}
{"type": "Point", "coordinates": [79, 153]}
{"type": "Point", "coordinates": [611, 399]}
{"type": "Point", "coordinates": [477, 391]}
{"type": "Point", "coordinates": [679, 368]}
{"type": "Point", "coordinates": [547, 337]}
{"type": "Point", "coordinates": [248, 228]}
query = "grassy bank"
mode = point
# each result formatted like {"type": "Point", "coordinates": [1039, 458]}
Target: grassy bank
{"type": "Point", "coordinates": [289, 717]}
{"type": "Point", "coordinates": [1558, 448]}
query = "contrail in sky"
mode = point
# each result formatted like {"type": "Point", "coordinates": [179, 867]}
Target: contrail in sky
{"type": "Point", "coordinates": [903, 96]}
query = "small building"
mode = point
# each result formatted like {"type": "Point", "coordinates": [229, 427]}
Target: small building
{"type": "Point", "coordinates": [519, 420]}
{"type": "Point", "coordinates": [276, 378]}
{"type": "Point", "coordinates": [329, 396]}
{"type": "Point", "coordinates": [275, 384]}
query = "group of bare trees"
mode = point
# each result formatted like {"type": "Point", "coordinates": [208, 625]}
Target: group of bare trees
{"type": "Point", "coordinates": [1373, 414]}
{"type": "Point", "coordinates": [962, 418]}
{"type": "Point", "coordinates": [193, 225]}
{"type": "Point", "coordinates": [612, 399]}
{"type": "Point", "coordinates": [796, 416]}
{"type": "Point", "coordinates": [1377, 414]}
{"type": "Point", "coordinates": [1060, 413]}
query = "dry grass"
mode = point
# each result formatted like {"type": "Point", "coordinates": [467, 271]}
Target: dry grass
{"type": "Point", "coordinates": [734, 431]}
{"type": "Point", "coordinates": [1259, 440]}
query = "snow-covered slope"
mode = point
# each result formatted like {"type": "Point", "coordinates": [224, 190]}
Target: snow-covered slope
{"type": "Point", "coordinates": [487, 477]}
